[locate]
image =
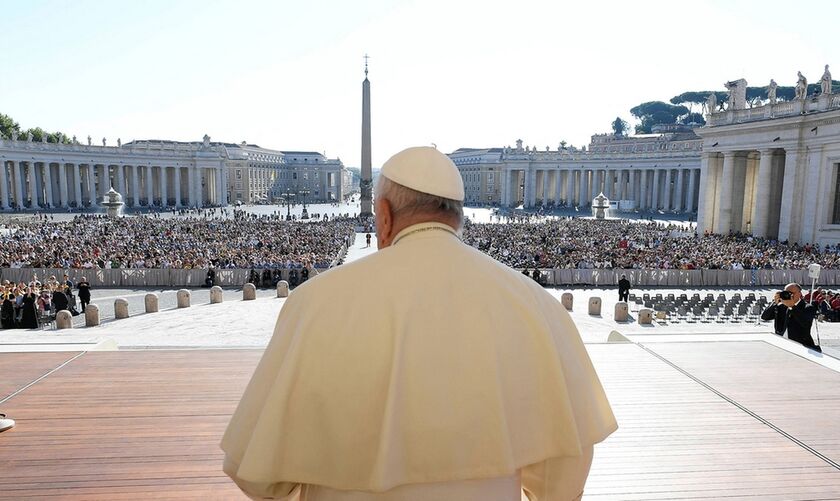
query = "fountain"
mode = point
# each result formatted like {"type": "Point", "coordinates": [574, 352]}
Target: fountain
{"type": "Point", "coordinates": [600, 206]}
{"type": "Point", "coordinates": [113, 202]}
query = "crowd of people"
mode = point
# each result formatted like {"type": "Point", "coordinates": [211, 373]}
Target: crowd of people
{"type": "Point", "coordinates": [24, 305]}
{"type": "Point", "coordinates": [243, 241]}
{"type": "Point", "coordinates": [622, 244]}
{"type": "Point", "coordinates": [827, 303]}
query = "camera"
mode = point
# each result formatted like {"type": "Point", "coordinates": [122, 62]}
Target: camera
{"type": "Point", "coordinates": [785, 295]}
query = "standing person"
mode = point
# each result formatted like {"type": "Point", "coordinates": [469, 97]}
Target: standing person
{"type": "Point", "coordinates": [29, 310]}
{"type": "Point", "coordinates": [470, 382]}
{"type": "Point", "coordinates": [623, 288]}
{"type": "Point", "coordinates": [367, 239]}
{"type": "Point", "coordinates": [7, 311]}
{"type": "Point", "coordinates": [84, 292]}
{"type": "Point", "coordinates": [791, 313]}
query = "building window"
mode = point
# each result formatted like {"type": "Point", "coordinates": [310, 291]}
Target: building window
{"type": "Point", "coordinates": [238, 174]}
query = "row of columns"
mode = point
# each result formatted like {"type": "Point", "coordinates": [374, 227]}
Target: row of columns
{"type": "Point", "coordinates": [41, 185]}
{"type": "Point", "coordinates": [752, 192]}
{"type": "Point", "coordinates": [651, 189]}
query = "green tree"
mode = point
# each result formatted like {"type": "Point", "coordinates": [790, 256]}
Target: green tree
{"type": "Point", "coordinates": [695, 117]}
{"type": "Point", "coordinates": [7, 126]}
{"type": "Point", "coordinates": [656, 112]}
{"type": "Point", "coordinates": [620, 127]}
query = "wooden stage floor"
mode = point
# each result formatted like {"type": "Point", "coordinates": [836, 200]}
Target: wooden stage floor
{"type": "Point", "coordinates": [713, 420]}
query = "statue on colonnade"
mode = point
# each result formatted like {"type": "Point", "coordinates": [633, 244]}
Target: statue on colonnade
{"type": "Point", "coordinates": [90, 142]}
{"type": "Point", "coordinates": [771, 91]}
{"type": "Point", "coordinates": [104, 142]}
{"type": "Point", "coordinates": [711, 103]}
{"type": "Point", "coordinates": [825, 82]}
{"type": "Point", "coordinates": [801, 89]}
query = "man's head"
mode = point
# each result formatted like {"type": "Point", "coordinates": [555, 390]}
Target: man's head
{"type": "Point", "coordinates": [417, 185]}
{"type": "Point", "coordinates": [795, 291]}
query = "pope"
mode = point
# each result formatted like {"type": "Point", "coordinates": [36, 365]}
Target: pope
{"type": "Point", "coordinates": [426, 370]}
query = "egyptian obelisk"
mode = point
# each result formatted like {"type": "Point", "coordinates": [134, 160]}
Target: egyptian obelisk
{"type": "Point", "coordinates": [367, 175]}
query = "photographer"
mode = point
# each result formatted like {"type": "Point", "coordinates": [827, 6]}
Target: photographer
{"type": "Point", "coordinates": [791, 313]}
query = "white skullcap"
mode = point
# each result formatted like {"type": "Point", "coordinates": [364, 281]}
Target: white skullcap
{"type": "Point", "coordinates": [426, 170]}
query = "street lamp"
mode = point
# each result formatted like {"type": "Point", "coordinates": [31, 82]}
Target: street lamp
{"type": "Point", "coordinates": [287, 196]}
{"type": "Point", "coordinates": [303, 193]}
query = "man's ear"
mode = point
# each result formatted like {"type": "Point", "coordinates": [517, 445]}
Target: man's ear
{"type": "Point", "coordinates": [384, 223]}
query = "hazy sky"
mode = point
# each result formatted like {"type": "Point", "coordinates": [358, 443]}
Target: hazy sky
{"type": "Point", "coordinates": [287, 75]}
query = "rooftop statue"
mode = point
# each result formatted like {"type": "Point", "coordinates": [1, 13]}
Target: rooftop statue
{"type": "Point", "coordinates": [89, 140]}
{"type": "Point", "coordinates": [825, 82]}
{"type": "Point", "coordinates": [771, 91]}
{"type": "Point", "coordinates": [711, 103]}
{"type": "Point", "coordinates": [801, 89]}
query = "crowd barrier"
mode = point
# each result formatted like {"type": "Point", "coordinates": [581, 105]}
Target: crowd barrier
{"type": "Point", "coordinates": [134, 278]}
{"type": "Point", "coordinates": [693, 279]}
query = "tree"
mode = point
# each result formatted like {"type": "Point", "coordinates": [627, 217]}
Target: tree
{"type": "Point", "coordinates": [695, 117]}
{"type": "Point", "coordinates": [656, 112]}
{"type": "Point", "coordinates": [7, 126]}
{"type": "Point", "coordinates": [620, 127]}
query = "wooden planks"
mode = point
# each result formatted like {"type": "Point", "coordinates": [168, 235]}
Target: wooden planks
{"type": "Point", "coordinates": [146, 425]}
{"type": "Point", "coordinates": [679, 440]}
{"type": "Point", "coordinates": [799, 397]}
{"type": "Point", "coordinates": [19, 369]}
{"type": "Point", "coordinates": [126, 425]}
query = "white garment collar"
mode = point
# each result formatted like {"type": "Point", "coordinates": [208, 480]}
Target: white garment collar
{"type": "Point", "coordinates": [423, 228]}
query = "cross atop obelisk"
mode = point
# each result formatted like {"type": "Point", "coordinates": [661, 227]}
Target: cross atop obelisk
{"type": "Point", "coordinates": [367, 174]}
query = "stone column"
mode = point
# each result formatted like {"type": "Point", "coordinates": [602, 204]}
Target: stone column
{"type": "Point", "coordinates": [583, 193]}
{"type": "Point", "coordinates": [221, 193]}
{"type": "Point", "coordinates": [18, 183]}
{"type": "Point", "coordinates": [678, 192]}
{"type": "Point", "coordinates": [4, 185]}
{"type": "Point", "coordinates": [706, 210]}
{"type": "Point", "coordinates": [595, 188]}
{"type": "Point", "coordinates": [762, 194]}
{"type": "Point", "coordinates": [691, 197]}
{"type": "Point", "coordinates": [48, 191]}
{"type": "Point", "coordinates": [191, 185]}
{"type": "Point", "coordinates": [643, 191]}
{"type": "Point", "coordinates": [135, 186]}
{"type": "Point", "coordinates": [62, 183]}
{"type": "Point", "coordinates": [666, 195]}
{"type": "Point", "coordinates": [530, 187]}
{"type": "Point", "coordinates": [657, 182]}
{"type": "Point", "coordinates": [723, 204]}
{"type": "Point", "coordinates": [121, 181]}
{"type": "Point", "coordinates": [631, 187]}
{"type": "Point", "coordinates": [91, 183]}
{"type": "Point", "coordinates": [77, 185]}
{"type": "Point", "coordinates": [30, 176]}
{"type": "Point", "coordinates": [150, 187]}
{"type": "Point", "coordinates": [809, 218]}
{"type": "Point", "coordinates": [570, 187]}
{"type": "Point", "coordinates": [787, 218]}
{"type": "Point", "coordinates": [164, 186]}
{"type": "Point", "coordinates": [177, 187]}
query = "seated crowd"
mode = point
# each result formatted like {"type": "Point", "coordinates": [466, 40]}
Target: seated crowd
{"type": "Point", "coordinates": [623, 244]}
{"type": "Point", "coordinates": [25, 305]}
{"type": "Point", "coordinates": [97, 242]}
{"type": "Point", "coordinates": [828, 303]}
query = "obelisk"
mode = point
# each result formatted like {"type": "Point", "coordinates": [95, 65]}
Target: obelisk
{"type": "Point", "coordinates": [367, 175]}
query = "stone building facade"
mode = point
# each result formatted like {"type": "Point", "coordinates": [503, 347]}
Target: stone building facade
{"type": "Point", "coordinates": [160, 173]}
{"type": "Point", "coordinates": [656, 172]}
{"type": "Point", "coordinates": [773, 170]}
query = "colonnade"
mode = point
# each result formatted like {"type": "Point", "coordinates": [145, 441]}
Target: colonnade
{"type": "Point", "coordinates": [747, 190]}
{"type": "Point", "coordinates": [49, 184]}
{"type": "Point", "coordinates": [670, 189]}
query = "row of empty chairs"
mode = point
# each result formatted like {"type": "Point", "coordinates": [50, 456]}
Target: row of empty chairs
{"type": "Point", "coordinates": [710, 308]}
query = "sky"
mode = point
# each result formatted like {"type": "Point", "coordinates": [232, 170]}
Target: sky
{"type": "Point", "coordinates": [287, 75]}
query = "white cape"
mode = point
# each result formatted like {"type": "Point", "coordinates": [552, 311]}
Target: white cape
{"type": "Point", "coordinates": [425, 362]}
